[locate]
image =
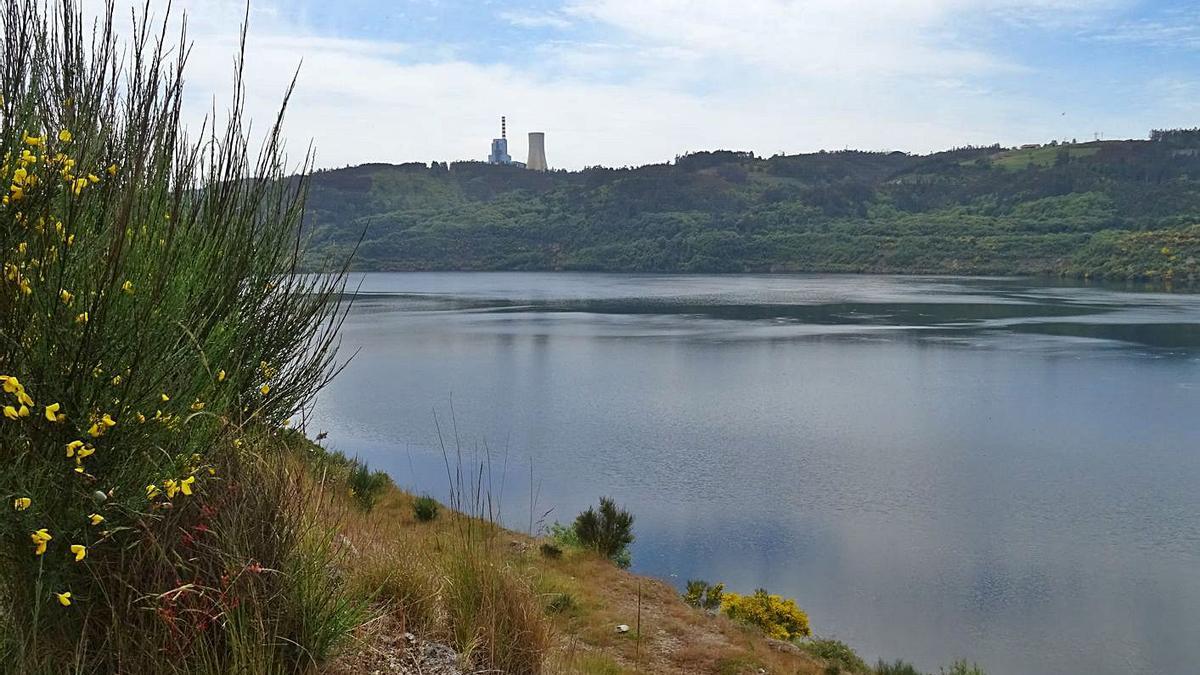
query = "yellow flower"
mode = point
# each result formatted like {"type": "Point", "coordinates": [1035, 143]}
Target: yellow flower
{"type": "Point", "coordinates": [265, 389]}
{"type": "Point", "coordinates": [112, 169]}
{"type": "Point", "coordinates": [141, 418]}
{"type": "Point", "coordinates": [116, 380]}
{"type": "Point", "coordinates": [80, 551]}
{"type": "Point", "coordinates": [66, 296]}
{"type": "Point", "coordinates": [85, 452]}
{"type": "Point", "coordinates": [22, 503]}
{"type": "Point", "coordinates": [10, 384]}
{"type": "Point", "coordinates": [96, 518]}
{"type": "Point", "coordinates": [78, 185]}
{"type": "Point", "coordinates": [185, 485]}
{"type": "Point", "coordinates": [10, 412]}
{"type": "Point", "coordinates": [93, 178]}
{"type": "Point", "coordinates": [72, 447]}
{"type": "Point", "coordinates": [64, 598]}
{"type": "Point", "coordinates": [64, 136]}
{"type": "Point", "coordinates": [198, 405]}
{"type": "Point", "coordinates": [70, 240]}
{"type": "Point", "coordinates": [166, 398]}
{"type": "Point", "coordinates": [33, 140]}
{"type": "Point", "coordinates": [172, 487]}
{"type": "Point", "coordinates": [82, 317]}
{"type": "Point", "coordinates": [95, 431]}
{"type": "Point", "coordinates": [24, 399]}
{"type": "Point", "coordinates": [152, 491]}
{"type": "Point", "coordinates": [39, 540]}
{"type": "Point", "coordinates": [22, 248]}
{"type": "Point", "coordinates": [127, 287]}
{"type": "Point", "coordinates": [107, 421]}
{"type": "Point", "coordinates": [52, 413]}
{"type": "Point", "coordinates": [220, 376]}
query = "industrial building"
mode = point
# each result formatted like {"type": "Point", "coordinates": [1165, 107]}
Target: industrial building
{"type": "Point", "coordinates": [499, 154]}
{"type": "Point", "coordinates": [537, 149]}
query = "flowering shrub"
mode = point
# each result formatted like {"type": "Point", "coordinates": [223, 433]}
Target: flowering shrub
{"type": "Point", "coordinates": [779, 618]}
{"type": "Point", "coordinates": [149, 327]}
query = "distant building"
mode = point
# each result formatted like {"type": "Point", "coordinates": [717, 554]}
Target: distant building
{"type": "Point", "coordinates": [537, 151]}
{"type": "Point", "coordinates": [499, 154]}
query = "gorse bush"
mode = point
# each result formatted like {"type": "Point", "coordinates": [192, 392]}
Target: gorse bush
{"type": "Point", "coordinates": [609, 531]}
{"type": "Point", "coordinates": [779, 617]}
{"type": "Point", "coordinates": [702, 595]}
{"type": "Point", "coordinates": [149, 325]}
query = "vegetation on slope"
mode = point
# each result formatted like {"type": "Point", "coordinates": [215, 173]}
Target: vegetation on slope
{"type": "Point", "coordinates": [1048, 210]}
{"type": "Point", "coordinates": [149, 334]}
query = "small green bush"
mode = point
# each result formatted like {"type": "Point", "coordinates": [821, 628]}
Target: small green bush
{"type": "Point", "coordinates": [609, 531]}
{"type": "Point", "coordinates": [701, 595]}
{"type": "Point", "coordinates": [425, 508]}
{"type": "Point", "coordinates": [564, 536]}
{"type": "Point", "coordinates": [898, 667]}
{"type": "Point", "coordinates": [550, 551]}
{"type": "Point", "coordinates": [837, 654]}
{"type": "Point", "coordinates": [366, 486]}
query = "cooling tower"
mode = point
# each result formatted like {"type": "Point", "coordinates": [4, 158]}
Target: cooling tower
{"type": "Point", "coordinates": [537, 151]}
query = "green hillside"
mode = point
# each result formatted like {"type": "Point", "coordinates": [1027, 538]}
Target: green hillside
{"type": "Point", "coordinates": [1112, 209]}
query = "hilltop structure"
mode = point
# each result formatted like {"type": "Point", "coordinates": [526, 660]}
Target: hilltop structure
{"type": "Point", "coordinates": [499, 154]}
{"type": "Point", "coordinates": [537, 151]}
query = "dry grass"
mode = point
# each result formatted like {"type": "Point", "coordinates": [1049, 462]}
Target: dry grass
{"type": "Point", "coordinates": [490, 593]}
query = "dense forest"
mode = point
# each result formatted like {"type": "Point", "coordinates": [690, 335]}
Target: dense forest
{"type": "Point", "coordinates": [1106, 209]}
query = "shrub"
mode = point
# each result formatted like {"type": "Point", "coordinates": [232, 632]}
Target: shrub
{"type": "Point", "coordinates": [152, 338]}
{"type": "Point", "coordinates": [779, 618]}
{"type": "Point", "coordinates": [837, 654]}
{"type": "Point", "coordinates": [550, 551]}
{"type": "Point", "coordinates": [701, 595]}
{"type": "Point", "coordinates": [609, 531]}
{"type": "Point", "coordinates": [564, 536]}
{"type": "Point", "coordinates": [365, 485]}
{"type": "Point", "coordinates": [898, 667]}
{"type": "Point", "coordinates": [425, 508]}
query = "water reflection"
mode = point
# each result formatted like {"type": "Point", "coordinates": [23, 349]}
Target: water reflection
{"type": "Point", "coordinates": [934, 467]}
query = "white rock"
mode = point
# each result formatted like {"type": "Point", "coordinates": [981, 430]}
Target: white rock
{"type": "Point", "coordinates": [622, 628]}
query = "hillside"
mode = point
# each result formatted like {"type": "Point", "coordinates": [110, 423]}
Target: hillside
{"type": "Point", "coordinates": [1111, 209]}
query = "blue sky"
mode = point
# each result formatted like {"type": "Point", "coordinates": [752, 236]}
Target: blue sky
{"type": "Point", "coordinates": [628, 82]}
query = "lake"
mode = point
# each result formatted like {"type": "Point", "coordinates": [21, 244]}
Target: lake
{"type": "Point", "coordinates": [997, 469]}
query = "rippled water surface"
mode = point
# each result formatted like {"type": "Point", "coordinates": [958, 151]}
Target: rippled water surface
{"type": "Point", "coordinates": [998, 469]}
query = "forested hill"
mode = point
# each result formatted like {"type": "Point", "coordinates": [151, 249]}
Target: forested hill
{"type": "Point", "coordinates": [1114, 209]}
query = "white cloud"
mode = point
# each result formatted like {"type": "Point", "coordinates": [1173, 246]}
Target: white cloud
{"type": "Point", "coordinates": [764, 75]}
{"type": "Point", "coordinates": [535, 19]}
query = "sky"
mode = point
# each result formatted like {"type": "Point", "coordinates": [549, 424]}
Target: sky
{"type": "Point", "coordinates": [632, 82]}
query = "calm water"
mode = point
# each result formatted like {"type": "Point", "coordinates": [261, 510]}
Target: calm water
{"type": "Point", "coordinates": [934, 468]}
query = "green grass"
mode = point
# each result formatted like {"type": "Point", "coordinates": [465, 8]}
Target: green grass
{"type": "Point", "coordinates": [1044, 156]}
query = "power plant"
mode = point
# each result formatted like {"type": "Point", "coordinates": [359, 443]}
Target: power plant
{"type": "Point", "coordinates": [537, 149]}
{"type": "Point", "coordinates": [499, 154]}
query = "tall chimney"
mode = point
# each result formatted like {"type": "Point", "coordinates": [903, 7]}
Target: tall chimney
{"type": "Point", "coordinates": [503, 129]}
{"type": "Point", "coordinates": [537, 151]}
